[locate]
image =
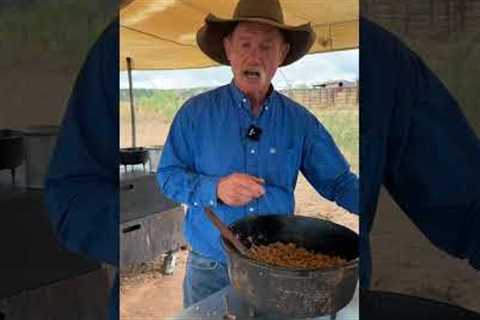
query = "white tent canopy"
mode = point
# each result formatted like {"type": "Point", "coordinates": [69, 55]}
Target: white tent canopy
{"type": "Point", "coordinates": [160, 34]}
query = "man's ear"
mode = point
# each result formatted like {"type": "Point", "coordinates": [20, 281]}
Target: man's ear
{"type": "Point", "coordinates": [285, 50]}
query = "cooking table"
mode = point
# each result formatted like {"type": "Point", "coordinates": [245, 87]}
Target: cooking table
{"type": "Point", "coordinates": [38, 278]}
{"type": "Point", "coordinates": [150, 223]}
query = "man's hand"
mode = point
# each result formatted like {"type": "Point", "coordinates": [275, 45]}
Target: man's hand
{"type": "Point", "coordinates": [239, 189]}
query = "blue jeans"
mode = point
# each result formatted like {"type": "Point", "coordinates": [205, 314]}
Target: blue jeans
{"type": "Point", "coordinates": [203, 277]}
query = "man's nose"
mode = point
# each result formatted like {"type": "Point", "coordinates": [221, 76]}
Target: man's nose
{"type": "Point", "coordinates": [254, 54]}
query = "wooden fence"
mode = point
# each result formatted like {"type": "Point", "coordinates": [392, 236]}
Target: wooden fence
{"type": "Point", "coordinates": [319, 98]}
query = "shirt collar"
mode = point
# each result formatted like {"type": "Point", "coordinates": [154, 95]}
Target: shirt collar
{"type": "Point", "coordinates": [241, 99]}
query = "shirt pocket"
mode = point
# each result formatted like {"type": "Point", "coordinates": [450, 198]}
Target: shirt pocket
{"type": "Point", "coordinates": [281, 166]}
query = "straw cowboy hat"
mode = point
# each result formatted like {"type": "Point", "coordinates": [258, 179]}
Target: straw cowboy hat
{"type": "Point", "coordinates": [210, 35]}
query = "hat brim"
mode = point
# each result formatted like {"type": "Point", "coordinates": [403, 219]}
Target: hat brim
{"type": "Point", "coordinates": [210, 37]}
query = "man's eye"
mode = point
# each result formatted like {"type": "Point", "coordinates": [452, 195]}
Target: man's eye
{"type": "Point", "coordinates": [265, 47]}
{"type": "Point", "coordinates": [245, 45]}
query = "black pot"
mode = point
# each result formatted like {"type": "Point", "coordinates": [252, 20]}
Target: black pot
{"type": "Point", "coordinates": [131, 156]}
{"type": "Point", "coordinates": [12, 150]}
{"type": "Point", "coordinates": [287, 293]}
{"type": "Point", "coordinates": [378, 305]}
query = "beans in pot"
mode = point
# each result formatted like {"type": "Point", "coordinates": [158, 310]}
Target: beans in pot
{"type": "Point", "coordinates": [292, 256]}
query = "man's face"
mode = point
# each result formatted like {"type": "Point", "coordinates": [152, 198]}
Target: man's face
{"type": "Point", "coordinates": [255, 51]}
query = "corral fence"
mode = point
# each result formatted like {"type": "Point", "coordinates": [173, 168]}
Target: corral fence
{"type": "Point", "coordinates": [321, 98]}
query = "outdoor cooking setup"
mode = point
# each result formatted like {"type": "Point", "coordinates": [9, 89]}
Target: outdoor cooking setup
{"type": "Point", "coordinates": [12, 151]}
{"type": "Point", "coordinates": [26, 152]}
{"type": "Point", "coordinates": [258, 291]}
{"type": "Point", "coordinates": [262, 291]}
{"type": "Point", "coordinates": [134, 155]}
{"type": "Point", "coordinates": [37, 270]}
{"type": "Point", "coordinates": [150, 223]}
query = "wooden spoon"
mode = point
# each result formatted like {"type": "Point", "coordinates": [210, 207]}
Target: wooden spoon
{"type": "Point", "coordinates": [226, 232]}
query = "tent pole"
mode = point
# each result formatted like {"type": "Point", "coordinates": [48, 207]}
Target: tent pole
{"type": "Point", "coordinates": [132, 108]}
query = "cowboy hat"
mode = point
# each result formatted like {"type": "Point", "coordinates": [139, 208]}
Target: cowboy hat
{"type": "Point", "coordinates": [210, 35]}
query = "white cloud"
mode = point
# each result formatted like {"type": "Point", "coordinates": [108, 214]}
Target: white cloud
{"type": "Point", "coordinates": [309, 70]}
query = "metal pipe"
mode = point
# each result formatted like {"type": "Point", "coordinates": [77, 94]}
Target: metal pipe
{"type": "Point", "coordinates": [132, 107]}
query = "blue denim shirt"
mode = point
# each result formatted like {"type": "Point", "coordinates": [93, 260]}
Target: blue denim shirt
{"type": "Point", "coordinates": [415, 141]}
{"type": "Point", "coordinates": [207, 141]}
{"type": "Point", "coordinates": [81, 188]}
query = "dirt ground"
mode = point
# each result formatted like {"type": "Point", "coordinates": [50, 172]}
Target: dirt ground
{"type": "Point", "coordinates": [405, 261]}
{"type": "Point", "coordinates": [146, 293]}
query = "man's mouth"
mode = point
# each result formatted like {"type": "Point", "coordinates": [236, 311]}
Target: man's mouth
{"type": "Point", "coordinates": [251, 74]}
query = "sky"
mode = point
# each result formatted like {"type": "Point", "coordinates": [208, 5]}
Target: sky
{"type": "Point", "coordinates": [311, 69]}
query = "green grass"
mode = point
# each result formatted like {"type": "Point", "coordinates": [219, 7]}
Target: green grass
{"type": "Point", "coordinates": [343, 125]}
{"type": "Point", "coordinates": [165, 102]}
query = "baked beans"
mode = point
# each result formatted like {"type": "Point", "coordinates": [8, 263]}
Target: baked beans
{"type": "Point", "coordinates": [290, 255]}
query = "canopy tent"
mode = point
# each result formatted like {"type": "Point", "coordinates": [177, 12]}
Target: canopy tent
{"type": "Point", "coordinates": [160, 34]}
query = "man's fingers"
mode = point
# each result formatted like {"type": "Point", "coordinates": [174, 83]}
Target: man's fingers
{"type": "Point", "coordinates": [238, 189]}
{"type": "Point", "coordinates": [255, 187]}
{"type": "Point", "coordinates": [238, 199]}
{"type": "Point", "coordinates": [241, 200]}
{"type": "Point", "coordinates": [243, 191]}
{"type": "Point", "coordinates": [253, 178]}
{"type": "Point", "coordinates": [259, 180]}
{"type": "Point", "coordinates": [257, 190]}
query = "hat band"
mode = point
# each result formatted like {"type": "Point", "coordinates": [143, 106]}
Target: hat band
{"type": "Point", "coordinates": [259, 17]}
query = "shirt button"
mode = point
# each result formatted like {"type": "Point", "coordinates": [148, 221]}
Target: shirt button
{"type": "Point", "coordinates": [252, 151]}
{"type": "Point", "coordinates": [244, 100]}
{"type": "Point", "coordinates": [266, 108]}
{"type": "Point", "coordinates": [251, 209]}
{"type": "Point", "coordinates": [195, 204]}
{"type": "Point", "coordinates": [211, 202]}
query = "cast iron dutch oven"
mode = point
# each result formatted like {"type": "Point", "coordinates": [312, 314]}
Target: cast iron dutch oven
{"type": "Point", "coordinates": [135, 155]}
{"type": "Point", "coordinates": [12, 150]}
{"type": "Point", "coordinates": [294, 293]}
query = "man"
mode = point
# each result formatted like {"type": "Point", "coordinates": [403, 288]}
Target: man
{"type": "Point", "coordinates": [81, 188]}
{"type": "Point", "coordinates": [239, 148]}
{"type": "Point", "coordinates": [415, 140]}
